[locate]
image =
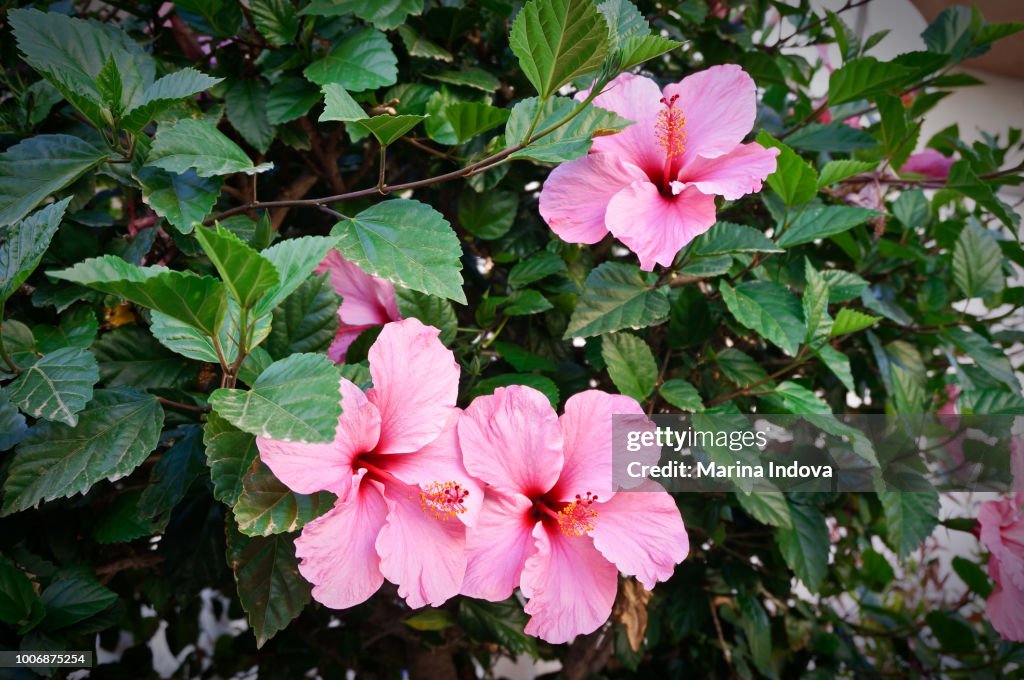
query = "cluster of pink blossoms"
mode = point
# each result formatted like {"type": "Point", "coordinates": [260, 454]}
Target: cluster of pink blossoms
{"type": "Point", "coordinates": [503, 495]}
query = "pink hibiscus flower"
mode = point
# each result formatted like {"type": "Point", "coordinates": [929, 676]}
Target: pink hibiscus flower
{"type": "Point", "coordinates": [1002, 532]}
{"type": "Point", "coordinates": [366, 301]}
{"type": "Point", "coordinates": [653, 185]}
{"type": "Point", "coordinates": [396, 468]}
{"type": "Point", "coordinates": [929, 163]}
{"type": "Point", "coordinates": [551, 523]}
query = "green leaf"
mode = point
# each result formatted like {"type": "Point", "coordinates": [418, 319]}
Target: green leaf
{"type": "Point", "coordinates": [296, 399]}
{"type": "Point", "coordinates": [430, 619]}
{"type": "Point", "coordinates": [362, 60]}
{"type": "Point", "coordinates": [768, 309]}
{"type": "Point", "coordinates": [795, 398]}
{"type": "Point", "coordinates": [568, 142]}
{"type": "Point", "coordinates": [469, 119]}
{"type": "Point", "coordinates": [306, 321]}
{"type": "Point", "coordinates": [952, 631]}
{"type": "Point", "coordinates": [431, 310]}
{"type": "Point", "coordinates": [767, 507]}
{"type": "Point", "coordinates": [962, 179]}
{"type": "Point", "coordinates": [972, 575]}
{"type": "Point", "coordinates": [911, 208]}
{"type": "Point", "coordinates": [229, 453]}
{"type": "Point", "coordinates": [172, 476]}
{"type": "Point", "coordinates": [418, 46]}
{"type": "Point", "coordinates": [108, 83]}
{"type": "Point", "coordinates": [165, 93]}
{"type": "Point", "coordinates": [12, 425]}
{"type": "Point", "coordinates": [538, 382]}
{"type": "Point", "coordinates": [276, 20]}
{"type": "Point", "coordinates": [850, 320]}
{"type": "Point", "coordinates": [844, 286]}
{"type": "Point", "coordinates": [836, 137]}
{"type": "Point", "coordinates": [246, 102]}
{"type": "Point", "coordinates": [195, 145]}
{"type": "Point", "coordinates": [987, 356]}
{"type": "Point", "coordinates": [523, 360]}
{"type": "Point", "coordinates": [74, 599]}
{"type": "Point", "coordinates": [476, 78]}
{"type": "Point", "coordinates": [294, 260]}
{"type": "Point", "coordinates": [835, 171]}
{"type": "Point", "coordinates": [630, 363]}
{"type": "Point", "coordinates": [535, 268]}
{"type": "Point", "coordinates": [910, 517]}
{"type": "Point", "coordinates": [25, 243]}
{"type": "Point", "coordinates": [291, 98]}
{"type": "Point", "coordinates": [57, 386]}
{"type": "Point", "coordinates": [500, 623]}
{"type": "Point", "coordinates": [190, 342]}
{"type": "Point", "coordinates": [978, 262]}
{"type": "Point", "coordinates": [406, 242]}
{"type": "Point", "coordinates": [120, 522]}
{"type": "Point", "coordinates": [951, 32]}
{"type": "Point", "coordinates": [384, 14]}
{"type": "Point", "coordinates": [805, 545]}
{"type": "Point", "coordinates": [740, 368]}
{"type": "Point", "coordinates": [270, 588]}
{"type": "Point", "coordinates": [639, 48]}
{"type": "Point", "coordinates": [866, 77]}
{"type": "Point", "coordinates": [117, 430]}
{"type": "Point", "coordinates": [525, 303]}
{"type": "Point", "coordinates": [726, 238]}
{"type": "Point", "coordinates": [794, 180]}
{"type": "Point", "coordinates": [20, 606]}
{"type": "Point", "coordinates": [339, 105]}
{"type": "Point", "coordinates": [130, 356]}
{"type": "Point", "coordinates": [682, 395]}
{"type": "Point", "coordinates": [815, 303]}
{"type": "Point", "coordinates": [838, 363]}
{"type": "Point", "coordinates": [266, 506]}
{"type": "Point", "coordinates": [199, 301]}
{"type": "Point", "coordinates": [246, 274]}
{"type": "Point", "coordinates": [182, 199]}
{"type": "Point", "coordinates": [558, 40]}
{"type": "Point", "coordinates": [829, 220]}
{"type": "Point", "coordinates": [488, 215]}
{"type": "Point", "coordinates": [617, 296]}
{"type": "Point", "coordinates": [39, 166]}
{"type": "Point", "coordinates": [389, 128]}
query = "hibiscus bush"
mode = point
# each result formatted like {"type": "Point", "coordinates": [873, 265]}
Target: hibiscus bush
{"type": "Point", "coordinates": [314, 315]}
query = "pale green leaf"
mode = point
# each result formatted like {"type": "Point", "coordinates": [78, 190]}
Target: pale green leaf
{"type": "Point", "coordinates": [25, 243]}
{"type": "Point", "coordinates": [57, 386]}
{"type": "Point", "coordinates": [362, 60]}
{"type": "Point", "coordinates": [246, 274]}
{"type": "Point", "coordinates": [196, 145]}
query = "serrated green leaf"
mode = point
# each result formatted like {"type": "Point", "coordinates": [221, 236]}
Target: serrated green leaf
{"type": "Point", "coordinates": [794, 180]}
{"type": "Point", "coordinates": [389, 128]}
{"type": "Point", "coordinates": [978, 262]}
{"type": "Point", "coordinates": [640, 48]}
{"type": "Point", "coordinates": [987, 356]}
{"type": "Point", "coordinates": [116, 431]}
{"type": "Point", "coordinates": [835, 137]}
{"type": "Point", "coordinates": [829, 220]}
{"type": "Point", "coordinates": [726, 237]}
{"type": "Point", "coordinates": [182, 199]}
{"type": "Point", "coordinates": [630, 363]}
{"type": "Point", "coordinates": [266, 506]}
{"type": "Point", "coordinates": [569, 141]}
{"type": "Point", "coordinates": [469, 119]}
{"type": "Point", "coordinates": [406, 242]}
{"type": "Point", "coordinates": [57, 386]}
{"type": "Point", "coordinates": [246, 107]}
{"type": "Point", "coordinates": [246, 274]}
{"type": "Point", "coordinates": [339, 105]}
{"type": "Point", "coordinates": [523, 360]}
{"type": "Point", "coordinates": [835, 171]}
{"type": "Point", "coordinates": [130, 356]}
{"type": "Point", "coordinates": [196, 145]}
{"type": "Point", "coordinates": [805, 545]}
{"type": "Point", "coordinates": [306, 321]}
{"type": "Point", "coordinates": [558, 40]}
{"type": "Point", "coordinates": [768, 309]}
{"type": "Point", "coordinates": [815, 303]}
{"type": "Point", "coordinates": [296, 399]}
{"type": "Point", "coordinates": [70, 600]}
{"type": "Point", "coordinates": [792, 397]}
{"type": "Point", "coordinates": [384, 14]}
{"type": "Point", "coordinates": [25, 243]}
{"type": "Point", "coordinates": [866, 77]}
{"type": "Point", "coordinates": [767, 507]}
{"type": "Point", "coordinates": [190, 342]}
{"type": "Point", "coordinates": [418, 46]}
{"type": "Point", "coordinates": [535, 268]}
{"type": "Point", "coordinates": [850, 320]}
{"type": "Point", "coordinates": [276, 20]}
{"type": "Point", "coordinates": [682, 395]}
{"type": "Point", "coordinates": [538, 382]}
{"type": "Point", "coordinates": [294, 260]}
{"type": "Point", "coordinates": [910, 517]}
{"type": "Point", "coordinates": [165, 93]}
{"type": "Point", "coordinates": [488, 215]}
{"type": "Point", "coordinates": [39, 166]}
{"type": "Point", "coordinates": [617, 296]}
{"type": "Point", "coordinates": [362, 60]}
{"type": "Point", "coordinates": [291, 98]}
{"type": "Point", "coordinates": [229, 453]}
{"type": "Point", "coordinates": [431, 310]}
{"type": "Point", "coordinates": [740, 368]}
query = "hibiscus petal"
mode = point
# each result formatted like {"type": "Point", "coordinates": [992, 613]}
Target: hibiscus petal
{"type": "Point", "coordinates": [638, 99]}
{"type": "Point", "coordinates": [1004, 606]}
{"type": "Point", "coordinates": [308, 468]}
{"type": "Point", "coordinates": [365, 300]}
{"type": "Point", "coordinates": [732, 175]}
{"type": "Point", "coordinates": [656, 227]}
{"type": "Point", "coordinates": [510, 440]}
{"type": "Point", "coordinates": [720, 105]}
{"type": "Point", "coordinates": [415, 384]}
{"type": "Point", "coordinates": [498, 545]}
{"type": "Point", "coordinates": [641, 532]}
{"type": "Point", "coordinates": [425, 556]}
{"type": "Point", "coordinates": [587, 432]}
{"type": "Point", "coordinates": [342, 340]}
{"type": "Point", "coordinates": [575, 195]}
{"type": "Point", "coordinates": [337, 550]}
{"type": "Point", "coordinates": [439, 462]}
{"type": "Point", "coordinates": [571, 587]}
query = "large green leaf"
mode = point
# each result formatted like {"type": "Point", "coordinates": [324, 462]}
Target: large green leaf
{"type": "Point", "coordinates": [246, 107]}
{"type": "Point", "coordinates": [178, 336]}
{"type": "Point", "coordinates": [978, 262]}
{"type": "Point", "coordinates": [389, 128]}
{"type": "Point", "coordinates": [569, 141]}
{"type": "Point", "coordinates": [865, 77]}
{"type": "Point", "coordinates": [229, 453]}
{"type": "Point", "coordinates": [276, 20]}
{"type": "Point", "coordinates": [165, 93]}
{"type": "Point", "coordinates": [805, 544]}
{"type": "Point", "coordinates": [362, 60]}
{"type": "Point", "coordinates": [829, 220]}
{"type": "Point", "coordinates": [20, 605]}
{"type": "Point", "coordinates": [25, 243]}
{"type": "Point", "coordinates": [117, 431]}
{"type": "Point", "coordinates": [910, 517]}
{"type": "Point", "coordinates": [291, 98]}
{"type": "Point", "coordinates": [406, 242]}
{"type": "Point", "coordinates": [57, 386]}
{"type": "Point", "coordinates": [39, 166]}
{"type": "Point", "coordinates": [295, 399]}
{"type": "Point", "coordinates": [196, 145]}
{"type": "Point", "coordinates": [725, 238]}
{"type": "Point", "coordinates": [270, 588]}
{"type": "Point", "coordinates": [794, 180]}
{"type": "Point", "coordinates": [306, 321]}
{"type": "Point", "coordinates": [246, 274]}
{"type": "Point", "coordinates": [469, 119]}
{"type": "Point", "coordinates": [631, 365]}
{"type": "Point", "coordinates": [266, 506]}
{"type": "Point", "coordinates": [182, 199]}
{"type": "Point", "coordinates": [130, 356]}
{"type": "Point", "coordinates": [196, 300]}
{"type": "Point", "coordinates": [488, 215]}
{"type": "Point", "coordinates": [294, 260]}
{"type": "Point", "coordinates": [617, 296]}
{"type": "Point", "coordinates": [558, 40]}
{"type": "Point", "coordinates": [74, 598]}
{"type": "Point", "coordinates": [769, 309]}
{"type": "Point", "coordinates": [174, 473]}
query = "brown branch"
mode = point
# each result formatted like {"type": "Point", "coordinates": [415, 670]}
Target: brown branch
{"type": "Point", "coordinates": [183, 407]}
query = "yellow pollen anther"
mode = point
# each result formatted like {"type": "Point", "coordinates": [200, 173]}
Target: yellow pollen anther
{"type": "Point", "coordinates": [443, 500]}
{"type": "Point", "coordinates": [577, 518]}
{"type": "Point", "coordinates": [671, 128]}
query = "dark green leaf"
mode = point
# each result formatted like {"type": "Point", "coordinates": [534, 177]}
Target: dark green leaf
{"type": "Point", "coordinates": [630, 363]}
{"type": "Point", "coordinates": [910, 517]}
{"type": "Point", "coordinates": [70, 600]}
{"type": "Point", "coordinates": [306, 321]}
{"type": "Point", "coordinates": [726, 237]}
{"type": "Point", "coordinates": [768, 309]}
{"type": "Point", "coordinates": [805, 546]}
{"type": "Point", "coordinates": [291, 98]}
{"type": "Point", "coordinates": [266, 506]}
{"type": "Point", "coordinates": [535, 268]}
{"type": "Point", "coordinates": [978, 262]}
{"type": "Point", "coordinates": [246, 274]}
{"type": "Point", "coordinates": [20, 606]}
{"type": "Point", "coordinates": [537, 382]}
{"type": "Point", "coordinates": [488, 215]}
{"type": "Point", "coordinates": [195, 145]}
{"type": "Point", "coordinates": [39, 166]}
{"type": "Point", "coordinates": [829, 220]}
{"type": "Point", "coordinates": [682, 395]}
{"type": "Point", "coordinates": [617, 296]}
{"type": "Point", "coordinates": [181, 199]}
{"type": "Point", "coordinates": [362, 60]}
{"type": "Point", "coordinates": [866, 77]}
{"type": "Point", "coordinates": [57, 386]}
{"type": "Point", "coordinates": [431, 310]}
{"type": "Point", "coordinates": [24, 244]}
{"type": "Point", "coordinates": [246, 102]}
{"type": "Point", "coordinates": [276, 20]}
{"type": "Point", "coordinates": [229, 453]}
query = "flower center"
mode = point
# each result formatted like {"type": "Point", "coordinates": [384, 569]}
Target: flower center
{"type": "Point", "coordinates": [444, 500]}
{"type": "Point", "coordinates": [670, 131]}
{"type": "Point", "coordinates": [575, 518]}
